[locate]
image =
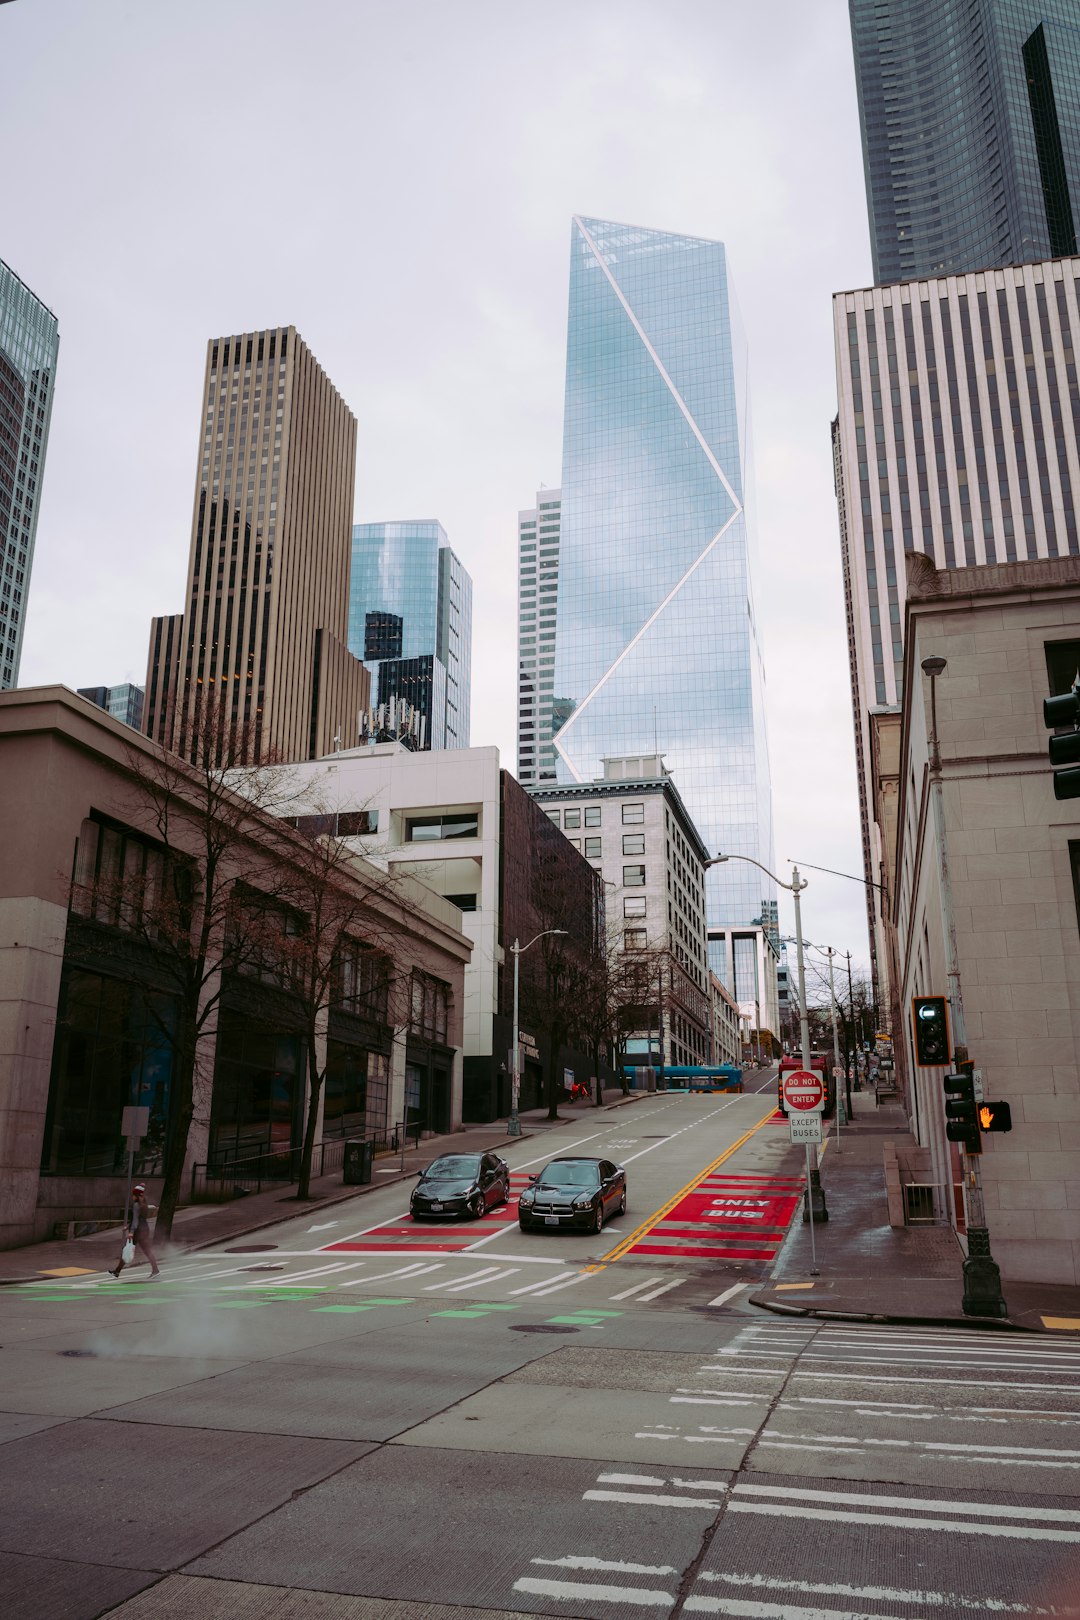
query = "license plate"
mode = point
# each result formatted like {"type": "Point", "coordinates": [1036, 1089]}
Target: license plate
{"type": "Point", "coordinates": [551, 1220]}
{"type": "Point", "coordinates": [436, 1209]}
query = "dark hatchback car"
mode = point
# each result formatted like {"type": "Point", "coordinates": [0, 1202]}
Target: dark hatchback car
{"type": "Point", "coordinates": [573, 1192]}
{"type": "Point", "coordinates": [460, 1184]}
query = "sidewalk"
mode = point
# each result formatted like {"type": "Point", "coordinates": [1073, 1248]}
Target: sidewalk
{"type": "Point", "coordinates": [871, 1271]}
{"type": "Point", "coordinates": [201, 1226]}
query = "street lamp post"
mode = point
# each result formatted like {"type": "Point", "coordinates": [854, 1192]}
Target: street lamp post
{"type": "Point", "coordinates": [982, 1278]}
{"type": "Point", "coordinates": [513, 1124]}
{"type": "Point", "coordinates": [814, 1208]}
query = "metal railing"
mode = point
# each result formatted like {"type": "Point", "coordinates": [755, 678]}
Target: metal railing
{"type": "Point", "coordinates": [925, 1203]}
{"type": "Point", "coordinates": [230, 1175]}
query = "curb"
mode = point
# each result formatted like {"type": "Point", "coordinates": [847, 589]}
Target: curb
{"type": "Point", "coordinates": [978, 1323]}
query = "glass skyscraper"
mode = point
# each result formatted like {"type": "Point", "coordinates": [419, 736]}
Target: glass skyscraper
{"type": "Point", "coordinates": [656, 647]}
{"type": "Point", "coordinates": [29, 340]}
{"type": "Point", "coordinates": [538, 547]}
{"type": "Point", "coordinates": [970, 113]}
{"type": "Point", "coordinates": [410, 620]}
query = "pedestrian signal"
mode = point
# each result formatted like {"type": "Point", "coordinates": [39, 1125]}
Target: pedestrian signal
{"type": "Point", "coordinates": [961, 1110]}
{"type": "Point", "coordinates": [931, 1020]}
{"type": "Point", "coordinates": [995, 1116]}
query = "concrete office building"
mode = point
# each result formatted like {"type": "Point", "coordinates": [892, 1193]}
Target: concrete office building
{"type": "Point", "coordinates": [467, 830]}
{"type": "Point", "coordinates": [632, 826]}
{"type": "Point", "coordinates": [124, 702]}
{"type": "Point", "coordinates": [957, 436]}
{"type": "Point", "coordinates": [657, 647]}
{"type": "Point", "coordinates": [538, 592]}
{"type": "Point", "coordinates": [726, 1028]}
{"type": "Point", "coordinates": [970, 117]}
{"type": "Point", "coordinates": [264, 632]}
{"type": "Point", "coordinates": [1009, 633]}
{"type": "Point", "coordinates": [29, 341]}
{"type": "Point", "coordinates": [88, 994]}
{"type": "Point", "coordinates": [410, 620]}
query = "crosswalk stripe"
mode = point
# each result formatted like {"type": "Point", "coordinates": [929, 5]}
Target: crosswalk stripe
{"type": "Point", "coordinates": [583, 1591]}
{"type": "Point", "coordinates": [993, 1510]}
{"type": "Point", "coordinates": [897, 1521]}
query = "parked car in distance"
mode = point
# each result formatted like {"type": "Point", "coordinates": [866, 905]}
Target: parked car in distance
{"type": "Point", "coordinates": [460, 1184]}
{"type": "Point", "coordinates": [573, 1192]}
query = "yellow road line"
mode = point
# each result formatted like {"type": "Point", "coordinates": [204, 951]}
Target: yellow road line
{"type": "Point", "coordinates": [647, 1225]}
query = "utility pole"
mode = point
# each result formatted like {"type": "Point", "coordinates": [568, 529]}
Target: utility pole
{"type": "Point", "coordinates": [840, 1117]}
{"type": "Point", "coordinates": [854, 1032]}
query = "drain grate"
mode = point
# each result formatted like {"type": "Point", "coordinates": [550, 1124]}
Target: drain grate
{"type": "Point", "coordinates": [278, 1266]}
{"type": "Point", "coordinates": [253, 1248]}
{"type": "Point", "coordinates": [90, 1353]}
{"type": "Point", "coordinates": [539, 1327]}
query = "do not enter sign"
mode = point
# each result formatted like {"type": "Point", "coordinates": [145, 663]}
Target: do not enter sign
{"type": "Point", "coordinates": [804, 1091]}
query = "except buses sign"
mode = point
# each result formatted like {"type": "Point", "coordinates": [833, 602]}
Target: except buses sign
{"type": "Point", "coordinates": [804, 1091]}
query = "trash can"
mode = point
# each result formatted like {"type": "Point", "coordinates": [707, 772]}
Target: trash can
{"type": "Point", "coordinates": [358, 1160]}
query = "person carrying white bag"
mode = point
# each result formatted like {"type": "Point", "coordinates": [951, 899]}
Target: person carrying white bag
{"type": "Point", "coordinates": [137, 1235]}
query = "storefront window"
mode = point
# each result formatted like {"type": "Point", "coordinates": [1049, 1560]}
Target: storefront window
{"type": "Point", "coordinates": [257, 1080]}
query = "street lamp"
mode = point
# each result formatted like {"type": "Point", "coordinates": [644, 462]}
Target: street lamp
{"type": "Point", "coordinates": [982, 1278]}
{"type": "Point", "coordinates": [815, 1194]}
{"type": "Point", "coordinates": [513, 1124]}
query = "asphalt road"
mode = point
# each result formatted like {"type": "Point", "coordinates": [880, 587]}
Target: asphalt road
{"type": "Point", "coordinates": [449, 1423]}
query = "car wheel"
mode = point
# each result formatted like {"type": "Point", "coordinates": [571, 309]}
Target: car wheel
{"type": "Point", "coordinates": [622, 1203]}
{"type": "Point", "coordinates": [598, 1218]}
{"type": "Point", "coordinates": [522, 1226]}
{"type": "Point", "coordinates": [505, 1199]}
{"type": "Point", "coordinates": [479, 1207]}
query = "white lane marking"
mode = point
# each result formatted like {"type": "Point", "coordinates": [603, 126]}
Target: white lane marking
{"type": "Point", "coordinates": [874, 1594]}
{"type": "Point", "coordinates": [653, 1500]}
{"type": "Point", "coordinates": [289, 1278]}
{"type": "Point", "coordinates": [629, 1479]}
{"type": "Point", "coordinates": [921, 1410]}
{"type": "Point", "coordinates": [545, 1286]}
{"type": "Point", "coordinates": [628, 1293]}
{"type": "Point", "coordinates": [715, 1400]}
{"type": "Point", "coordinates": [982, 1353]}
{"type": "Point", "coordinates": [751, 1609]}
{"type": "Point", "coordinates": [900, 1521]}
{"type": "Point", "coordinates": [975, 1363]}
{"type": "Point", "coordinates": [417, 1269]}
{"type": "Point", "coordinates": [456, 1282]}
{"type": "Point", "coordinates": [938, 1383]}
{"type": "Point", "coordinates": [324, 1226]}
{"type": "Point", "coordinates": [729, 1293]}
{"type": "Point", "coordinates": [498, 1230]}
{"type": "Point", "coordinates": [663, 1289]}
{"type": "Point", "coordinates": [636, 1596]}
{"type": "Point", "coordinates": [855, 1499]}
{"type": "Point", "coordinates": [605, 1564]}
{"type": "Point", "coordinates": [1009, 1452]}
{"type": "Point", "coordinates": [470, 1283]}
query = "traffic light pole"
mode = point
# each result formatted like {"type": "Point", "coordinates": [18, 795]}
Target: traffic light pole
{"type": "Point", "coordinates": [982, 1278]}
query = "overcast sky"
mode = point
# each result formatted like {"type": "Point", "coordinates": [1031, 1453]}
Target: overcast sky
{"type": "Point", "coordinates": [396, 178]}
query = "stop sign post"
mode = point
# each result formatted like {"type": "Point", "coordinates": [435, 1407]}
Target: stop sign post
{"type": "Point", "coordinates": [804, 1092]}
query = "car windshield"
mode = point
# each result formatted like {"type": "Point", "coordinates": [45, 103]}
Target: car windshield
{"type": "Point", "coordinates": [566, 1173]}
{"type": "Point", "coordinates": [454, 1165]}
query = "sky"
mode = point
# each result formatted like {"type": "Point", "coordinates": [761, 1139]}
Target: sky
{"type": "Point", "coordinates": [397, 178]}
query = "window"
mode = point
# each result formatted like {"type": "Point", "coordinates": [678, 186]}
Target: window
{"type": "Point", "coordinates": [633, 905]}
{"type": "Point", "coordinates": [464, 902]}
{"type": "Point", "coordinates": [633, 844]}
{"type": "Point", "coordinates": [429, 829]}
{"type": "Point", "coordinates": [592, 815]}
{"type": "Point", "coordinates": [575, 841]}
{"type": "Point", "coordinates": [429, 1005]}
{"type": "Point", "coordinates": [635, 939]}
{"type": "Point", "coordinates": [593, 848]}
{"type": "Point", "coordinates": [572, 818]}
{"type": "Point", "coordinates": [633, 814]}
{"type": "Point", "coordinates": [554, 815]}
{"type": "Point", "coordinates": [347, 824]}
{"type": "Point", "coordinates": [363, 980]}
{"type": "Point", "coordinates": [1062, 665]}
{"type": "Point", "coordinates": [633, 877]}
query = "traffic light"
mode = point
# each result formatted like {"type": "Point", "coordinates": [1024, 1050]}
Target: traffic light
{"type": "Point", "coordinates": [1065, 750]}
{"type": "Point", "coordinates": [931, 1019]}
{"type": "Point", "coordinates": [962, 1111]}
{"type": "Point", "coordinates": [995, 1116]}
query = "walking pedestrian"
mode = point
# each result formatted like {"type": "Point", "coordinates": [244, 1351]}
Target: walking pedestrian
{"type": "Point", "coordinates": [138, 1230]}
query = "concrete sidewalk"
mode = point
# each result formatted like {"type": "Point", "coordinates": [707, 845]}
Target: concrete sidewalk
{"type": "Point", "coordinates": [868, 1270]}
{"type": "Point", "coordinates": [202, 1226]}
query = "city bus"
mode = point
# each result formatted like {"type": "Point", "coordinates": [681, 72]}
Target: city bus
{"type": "Point", "coordinates": [694, 1077]}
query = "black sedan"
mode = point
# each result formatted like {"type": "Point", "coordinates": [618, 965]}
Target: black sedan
{"type": "Point", "coordinates": [460, 1184]}
{"type": "Point", "coordinates": [573, 1192]}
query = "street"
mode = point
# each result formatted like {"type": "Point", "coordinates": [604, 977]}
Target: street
{"type": "Point", "coordinates": [355, 1415]}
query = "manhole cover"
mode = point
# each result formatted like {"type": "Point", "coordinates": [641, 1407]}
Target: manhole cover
{"type": "Point", "coordinates": [539, 1327]}
{"type": "Point", "coordinates": [253, 1248]}
{"type": "Point", "coordinates": [279, 1266]}
{"type": "Point", "coordinates": [663, 1137]}
{"type": "Point", "coordinates": [78, 1353]}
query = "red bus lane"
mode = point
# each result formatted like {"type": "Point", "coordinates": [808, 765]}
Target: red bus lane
{"type": "Point", "coordinates": [727, 1217]}
{"type": "Point", "coordinates": [406, 1236]}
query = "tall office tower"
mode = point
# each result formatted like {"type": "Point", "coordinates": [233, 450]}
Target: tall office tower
{"type": "Point", "coordinates": [124, 702]}
{"type": "Point", "coordinates": [657, 648]}
{"type": "Point", "coordinates": [267, 610]}
{"type": "Point", "coordinates": [538, 591]}
{"type": "Point", "coordinates": [410, 620]}
{"type": "Point", "coordinates": [29, 340]}
{"type": "Point", "coordinates": [970, 114]}
{"type": "Point", "coordinates": [957, 436]}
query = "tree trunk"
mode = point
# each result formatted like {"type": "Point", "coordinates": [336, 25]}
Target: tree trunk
{"type": "Point", "coordinates": [315, 1080]}
{"type": "Point", "coordinates": [181, 1113]}
{"type": "Point", "coordinates": [553, 1075]}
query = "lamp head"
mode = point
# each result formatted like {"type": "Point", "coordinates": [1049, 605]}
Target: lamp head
{"type": "Point", "coordinates": [933, 666]}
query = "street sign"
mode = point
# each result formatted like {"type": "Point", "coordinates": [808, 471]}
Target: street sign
{"type": "Point", "coordinates": [134, 1123]}
{"type": "Point", "coordinates": [804, 1091]}
{"type": "Point", "coordinates": [805, 1129]}
{"type": "Point", "coordinates": [977, 1084]}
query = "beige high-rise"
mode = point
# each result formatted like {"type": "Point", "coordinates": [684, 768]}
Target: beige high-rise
{"type": "Point", "coordinates": [265, 628]}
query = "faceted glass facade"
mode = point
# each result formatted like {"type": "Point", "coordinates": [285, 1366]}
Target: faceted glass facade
{"type": "Point", "coordinates": [970, 113]}
{"type": "Point", "coordinates": [656, 648]}
{"type": "Point", "coordinates": [29, 340]}
{"type": "Point", "coordinates": [409, 599]}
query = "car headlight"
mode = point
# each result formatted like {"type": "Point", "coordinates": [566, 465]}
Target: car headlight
{"type": "Point", "coordinates": [583, 1203]}
{"type": "Point", "coordinates": [525, 1200]}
